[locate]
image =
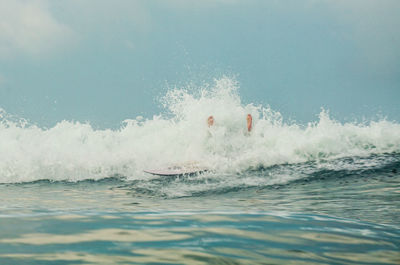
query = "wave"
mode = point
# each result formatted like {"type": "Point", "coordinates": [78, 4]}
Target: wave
{"type": "Point", "coordinates": [74, 151]}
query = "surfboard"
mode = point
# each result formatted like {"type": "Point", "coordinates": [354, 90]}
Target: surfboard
{"type": "Point", "coordinates": [177, 170]}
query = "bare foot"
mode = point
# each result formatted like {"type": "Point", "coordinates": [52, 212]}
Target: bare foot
{"type": "Point", "coordinates": [249, 122]}
{"type": "Point", "coordinates": [210, 121]}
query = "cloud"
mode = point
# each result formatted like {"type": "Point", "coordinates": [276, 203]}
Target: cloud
{"type": "Point", "coordinates": [33, 27]}
{"type": "Point", "coordinates": [29, 28]}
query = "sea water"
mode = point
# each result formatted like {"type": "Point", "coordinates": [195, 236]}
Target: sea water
{"type": "Point", "coordinates": [320, 193]}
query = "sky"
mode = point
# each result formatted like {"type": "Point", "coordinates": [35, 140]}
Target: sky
{"type": "Point", "coordinates": [104, 61]}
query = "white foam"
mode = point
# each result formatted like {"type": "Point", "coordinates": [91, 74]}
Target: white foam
{"type": "Point", "coordinates": [74, 151]}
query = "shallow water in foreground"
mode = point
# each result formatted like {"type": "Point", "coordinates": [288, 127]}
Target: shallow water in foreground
{"type": "Point", "coordinates": [202, 238]}
{"type": "Point", "coordinates": [348, 214]}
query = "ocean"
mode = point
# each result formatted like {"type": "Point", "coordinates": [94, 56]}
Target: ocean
{"type": "Point", "coordinates": [326, 192]}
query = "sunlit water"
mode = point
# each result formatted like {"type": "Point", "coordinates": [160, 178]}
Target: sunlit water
{"type": "Point", "coordinates": [325, 193]}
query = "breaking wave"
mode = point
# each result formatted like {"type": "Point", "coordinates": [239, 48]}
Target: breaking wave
{"type": "Point", "coordinates": [73, 151]}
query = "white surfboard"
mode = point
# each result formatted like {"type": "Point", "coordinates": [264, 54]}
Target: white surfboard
{"type": "Point", "coordinates": [177, 170]}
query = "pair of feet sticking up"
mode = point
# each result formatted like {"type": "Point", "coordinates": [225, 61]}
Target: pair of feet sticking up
{"type": "Point", "coordinates": [249, 118]}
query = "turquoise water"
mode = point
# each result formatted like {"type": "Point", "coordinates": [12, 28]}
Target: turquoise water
{"type": "Point", "coordinates": [322, 193]}
{"type": "Point", "coordinates": [329, 217]}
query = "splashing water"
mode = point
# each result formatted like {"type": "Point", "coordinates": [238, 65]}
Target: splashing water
{"type": "Point", "coordinates": [72, 151]}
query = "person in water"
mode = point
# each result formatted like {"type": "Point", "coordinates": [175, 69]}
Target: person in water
{"type": "Point", "coordinates": [210, 121]}
{"type": "Point", "coordinates": [249, 119]}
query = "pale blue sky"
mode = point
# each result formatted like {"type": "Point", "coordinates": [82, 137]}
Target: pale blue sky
{"type": "Point", "coordinates": [106, 61]}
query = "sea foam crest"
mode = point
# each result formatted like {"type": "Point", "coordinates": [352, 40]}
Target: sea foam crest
{"type": "Point", "coordinates": [75, 151]}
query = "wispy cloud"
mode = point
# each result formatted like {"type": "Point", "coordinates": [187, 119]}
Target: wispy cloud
{"type": "Point", "coordinates": [29, 28]}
